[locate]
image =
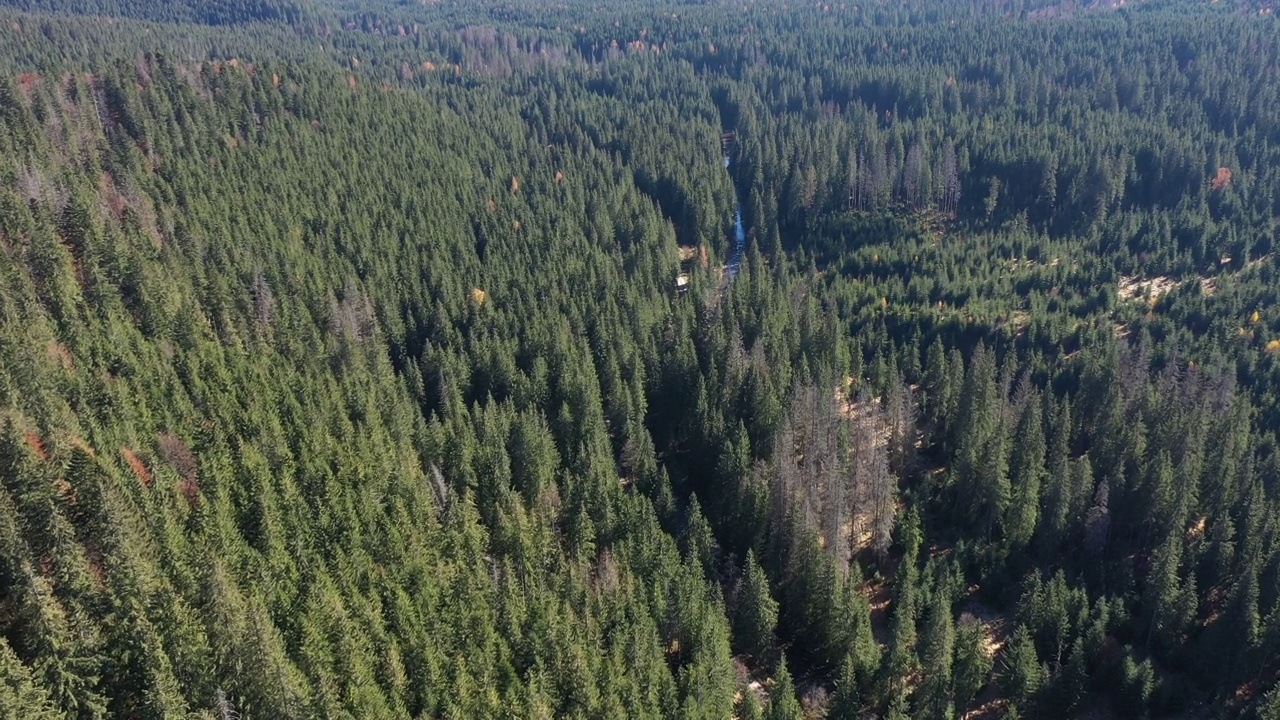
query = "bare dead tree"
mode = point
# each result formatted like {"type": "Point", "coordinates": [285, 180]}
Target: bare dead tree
{"type": "Point", "coordinates": [352, 316]}
{"type": "Point", "coordinates": [950, 183]}
{"type": "Point", "coordinates": [174, 451]}
{"type": "Point", "coordinates": [1097, 523]}
{"type": "Point", "coordinates": [440, 488]}
{"type": "Point", "coordinates": [809, 486]}
{"type": "Point", "coordinates": [912, 175]}
{"type": "Point", "coordinates": [226, 711]}
{"type": "Point", "coordinates": [900, 411]}
{"type": "Point", "coordinates": [264, 301]}
{"type": "Point", "coordinates": [875, 485]}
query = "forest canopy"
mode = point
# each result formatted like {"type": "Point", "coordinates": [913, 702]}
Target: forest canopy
{"type": "Point", "coordinates": [639, 359]}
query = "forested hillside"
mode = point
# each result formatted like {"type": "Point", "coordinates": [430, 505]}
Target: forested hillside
{"type": "Point", "coordinates": [432, 360]}
{"type": "Point", "coordinates": [216, 12]}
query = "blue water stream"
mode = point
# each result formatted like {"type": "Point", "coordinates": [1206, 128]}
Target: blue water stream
{"type": "Point", "coordinates": [739, 236]}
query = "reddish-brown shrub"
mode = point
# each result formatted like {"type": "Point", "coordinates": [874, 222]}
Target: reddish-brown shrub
{"type": "Point", "coordinates": [139, 468]}
{"type": "Point", "coordinates": [1222, 179]}
{"type": "Point", "coordinates": [36, 445]}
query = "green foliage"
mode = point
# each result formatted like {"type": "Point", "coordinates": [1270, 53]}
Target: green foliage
{"type": "Point", "coordinates": [972, 665]}
{"type": "Point", "coordinates": [21, 696]}
{"type": "Point", "coordinates": [1023, 676]}
{"type": "Point", "coordinates": [1137, 685]}
{"type": "Point", "coordinates": [1269, 705]}
{"type": "Point", "coordinates": [756, 615]}
{"type": "Point", "coordinates": [344, 371]}
{"type": "Point", "coordinates": [1025, 478]}
{"type": "Point", "coordinates": [749, 707]}
{"type": "Point", "coordinates": [846, 701]}
{"type": "Point", "coordinates": [934, 698]}
{"type": "Point", "coordinates": [783, 704]}
{"type": "Point", "coordinates": [223, 12]}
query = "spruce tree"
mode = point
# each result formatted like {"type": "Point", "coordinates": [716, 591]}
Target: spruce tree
{"type": "Point", "coordinates": [900, 661]}
{"type": "Point", "coordinates": [783, 704]}
{"type": "Point", "coordinates": [1058, 494]}
{"type": "Point", "coordinates": [973, 663]}
{"type": "Point", "coordinates": [1023, 676]}
{"type": "Point", "coordinates": [756, 615]}
{"type": "Point", "coordinates": [21, 696]}
{"type": "Point", "coordinates": [1025, 474]}
{"type": "Point", "coordinates": [749, 706]}
{"type": "Point", "coordinates": [1269, 705]}
{"type": "Point", "coordinates": [934, 699]}
{"type": "Point", "coordinates": [846, 700]}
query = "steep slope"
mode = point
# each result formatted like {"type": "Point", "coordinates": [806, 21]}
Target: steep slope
{"type": "Point", "coordinates": [218, 482]}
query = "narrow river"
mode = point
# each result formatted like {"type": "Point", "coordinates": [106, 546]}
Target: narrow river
{"type": "Point", "coordinates": [739, 237]}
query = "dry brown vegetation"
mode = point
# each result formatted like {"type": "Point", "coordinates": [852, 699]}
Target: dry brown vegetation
{"type": "Point", "coordinates": [36, 444]}
{"type": "Point", "coordinates": [1133, 288]}
{"type": "Point", "coordinates": [139, 468]}
{"type": "Point", "coordinates": [1222, 179]}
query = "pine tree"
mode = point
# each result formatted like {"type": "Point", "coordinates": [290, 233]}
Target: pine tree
{"type": "Point", "coordinates": [21, 697]}
{"type": "Point", "coordinates": [1023, 675]}
{"type": "Point", "coordinates": [846, 701]}
{"type": "Point", "coordinates": [1232, 641]}
{"type": "Point", "coordinates": [534, 458]}
{"type": "Point", "coordinates": [1026, 471]}
{"type": "Point", "coordinates": [1058, 495]}
{"type": "Point", "coordinates": [65, 659]}
{"type": "Point", "coordinates": [972, 664]}
{"type": "Point", "coordinates": [1137, 685]}
{"type": "Point", "coordinates": [982, 445]}
{"type": "Point", "coordinates": [1163, 595]}
{"type": "Point", "coordinates": [855, 634]}
{"type": "Point", "coordinates": [1073, 680]}
{"type": "Point", "coordinates": [757, 613]}
{"type": "Point", "coordinates": [732, 502]}
{"type": "Point", "coordinates": [1269, 705]}
{"type": "Point", "coordinates": [938, 390]}
{"type": "Point", "coordinates": [900, 661]}
{"type": "Point", "coordinates": [783, 704]}
{"type": "Point", "coordinates": [934, 698]}
{"type": "Point", "coordinates": [952, 398]}
{"type": "Point", "coordinates": [749, 706]}
{"type": "Point", "coordinates": [697, 540]}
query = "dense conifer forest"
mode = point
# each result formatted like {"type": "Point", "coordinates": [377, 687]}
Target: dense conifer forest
{"type": "Point", "coordinates": [380, 359]}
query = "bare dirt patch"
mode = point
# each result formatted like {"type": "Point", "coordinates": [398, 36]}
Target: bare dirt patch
{"type": "Point", "coordinates": [60, 354]}
{"type": "Point", "coordinates": [1133, 288]}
